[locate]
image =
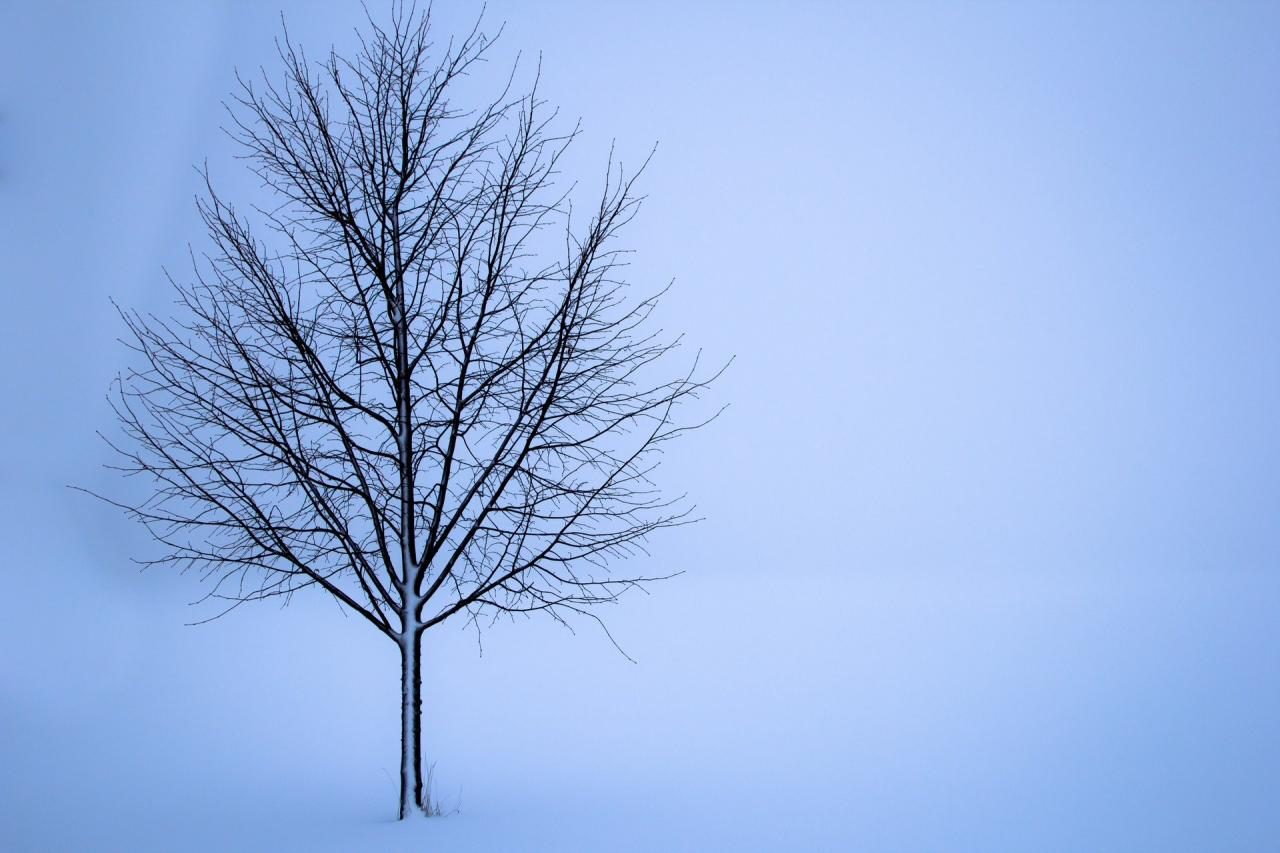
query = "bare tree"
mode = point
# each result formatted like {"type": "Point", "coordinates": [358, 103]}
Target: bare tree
{"type": "Point", "coordinates": [416, 382]}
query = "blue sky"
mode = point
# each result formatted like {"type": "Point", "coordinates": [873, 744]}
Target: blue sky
{"type": "Point", "coordinates": [991, 558]}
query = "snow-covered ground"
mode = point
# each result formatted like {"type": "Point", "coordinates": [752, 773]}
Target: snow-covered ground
{"type": "Point", "coordinates": [908, 712]}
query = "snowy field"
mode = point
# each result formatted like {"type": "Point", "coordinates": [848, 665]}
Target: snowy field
{"type": "Point", "coordinates": [912, 713]}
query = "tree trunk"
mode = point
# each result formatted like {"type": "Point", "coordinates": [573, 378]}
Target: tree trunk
{"type": "Point", "coordinates": [410, 724]}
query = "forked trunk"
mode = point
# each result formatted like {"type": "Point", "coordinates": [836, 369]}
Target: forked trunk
{"type": "Point", "coordinates": [410, 725]}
